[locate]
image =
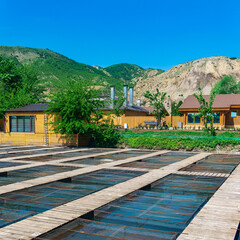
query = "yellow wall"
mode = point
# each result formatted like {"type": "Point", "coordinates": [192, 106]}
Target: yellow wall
{"type": "Point", "coordinates": [42, 134]}
{"type": "Point", "coordinates": [135, 121]}
{"type": "Point", "coordinates": [225, 120]}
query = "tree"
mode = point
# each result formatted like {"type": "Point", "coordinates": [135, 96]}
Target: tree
{"type": "Point", "coordinates": [118, 109]}
{"type": "Point", "coordinates": [157, 101]}
{"type": "Point", "coordinates": [14, 98]}
{"type": "Point", "coordinates": [31, 83]}
{"type": "Point", "coordinates": [76, 109]}
{"type": "Point", "coordinates": [205, 110]}
{"type": "Point", "coordinates": [226, 85]}
{"type": "Point", "coordinates": [19, 85]}
{"type": "Point", "coordinates": [175, 108]}
{"type": "Point", "coordinates": [10, 74]}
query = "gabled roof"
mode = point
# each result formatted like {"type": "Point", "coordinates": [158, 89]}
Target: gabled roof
{"type": "Point", "coordinates": [150, 109]}
{"type": "Point", "coordinates": [220, 101]}
{"type": "Point", "coordinates": [41, 107]}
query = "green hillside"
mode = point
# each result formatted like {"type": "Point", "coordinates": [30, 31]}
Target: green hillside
{"type": "Point", "coordinates": [127, 72]}
{"type": "Point", "coordinates": [53, 67]}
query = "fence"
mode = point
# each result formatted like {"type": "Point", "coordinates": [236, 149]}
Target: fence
{"type": "Point", "coordinates": [135, 121]}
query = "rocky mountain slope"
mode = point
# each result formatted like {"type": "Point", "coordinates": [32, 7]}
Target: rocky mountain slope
{"type": "Point", "coordinates": [184, 79]}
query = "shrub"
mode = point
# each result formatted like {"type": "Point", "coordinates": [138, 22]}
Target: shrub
{"type": "Point", "coordinates": [104, 136]}
{"type": "Point", "coordinates": [189, 144]}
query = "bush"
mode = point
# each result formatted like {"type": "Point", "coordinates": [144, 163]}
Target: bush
{"type": "Point", "coordinates": [104, 136]}
{"type": "Point", "coordinates": [189, 144]}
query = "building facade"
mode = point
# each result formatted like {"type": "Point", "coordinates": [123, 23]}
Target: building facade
{"type": "Point", "coordinates": [226, 109]}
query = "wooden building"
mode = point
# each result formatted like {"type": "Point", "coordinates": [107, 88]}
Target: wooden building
{"type": "Point", "coordinates": [29, 125]}
{"type": "Point", "coordinates": [226, 108]}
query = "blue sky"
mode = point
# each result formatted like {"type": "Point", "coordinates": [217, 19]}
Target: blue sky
{"type": "Point", "coordinates": [149, 33]}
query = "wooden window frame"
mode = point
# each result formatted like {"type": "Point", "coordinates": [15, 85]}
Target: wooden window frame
{"type": "Point", "coordinates": [194, 113]}
{"type": "Point", "coordinates": [236, 114]}
{"type": "Point", "coordinates": [32, 126]}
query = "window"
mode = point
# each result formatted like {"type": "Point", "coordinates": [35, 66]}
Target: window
{"type": "Point", "coordinates": [190, 118]}
{"type": "Point", "coordinates": [194, 118]}
{"type": "Point", "coordinates": [22, 124]}
{"type": "Point", "coordinates": [216, 117]}
{"type": "Point", "coordinates": [197, 119]}
{"type": "Point", "coordinates": [233, 114]}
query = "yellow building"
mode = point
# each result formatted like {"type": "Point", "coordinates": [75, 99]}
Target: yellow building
{"type": "Point", "coordinates": [226, 109]}
{"type": "Point", "coordinates": [29, 125]}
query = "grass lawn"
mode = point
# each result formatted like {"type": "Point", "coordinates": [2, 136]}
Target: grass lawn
{"type": "Point", "coordinates": [181, 140]}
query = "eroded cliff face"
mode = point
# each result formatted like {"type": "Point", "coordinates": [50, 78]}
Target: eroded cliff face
{"type": "Point", "coordinates": [184, 79]}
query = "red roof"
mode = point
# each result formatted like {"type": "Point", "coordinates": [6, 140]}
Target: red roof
{"type": "Point", "coordinates": [220, 101]}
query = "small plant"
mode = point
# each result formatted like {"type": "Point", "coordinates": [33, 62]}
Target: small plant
{"type": "Point", "coordinates": [194, 128]}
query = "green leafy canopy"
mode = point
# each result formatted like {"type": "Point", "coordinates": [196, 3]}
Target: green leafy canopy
{"type": "Point", "coordinates": [19, 85]}
{"type": "Point", "coordinates": [157, 101]}
{"type": "Point", "coordinates": [227, 85]}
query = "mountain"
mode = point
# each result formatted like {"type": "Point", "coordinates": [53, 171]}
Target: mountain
{"type": "Point", "coordinates": [53, 68]}
{"type": "Point", "coordinates": [184, 79]}
{"type": "Point", "coordinates": [128, 72]}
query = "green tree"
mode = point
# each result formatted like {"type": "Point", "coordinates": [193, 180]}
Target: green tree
{"type": "Point", "coordinates": [10, 74]}
{"type": "Point", "coordinates": [226, 85]}
{"type": "Point", "coordinates": [14, 98]}
{"type": "Point", "coordinates": [31, 83]}
{"type": "Point", "coordinates": [157, 101]}
{"type": "Point", "coordinates": [118, 108]}
{"type": "Point", "coordinates": [19, 85]}
{"type": "Point", "coordinates": [205, 111]}
{"type": "Point", "coordinates": [175, 108]}
{"type": "Point", "coordinates": [76, 109]}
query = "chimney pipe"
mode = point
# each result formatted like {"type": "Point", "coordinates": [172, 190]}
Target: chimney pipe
{"type": "Point", "coordinates": [112, 97]}
{"type": "Point", "coordinates": [125, 92]}
{"type": "Point", "coordinates": [139, 102]}
{"type": "Point", "coordinates": [130, 96]}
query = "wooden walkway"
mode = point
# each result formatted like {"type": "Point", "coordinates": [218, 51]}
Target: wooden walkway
{"type": "Point", "coordinates": [219, 218]}
{"type": "Point", "coordinates": [46, 221]}
{"type": "Point", "coordinates": [72, 173]}
{"type": "Point", "coordinates": [55, 162]}
{"type": "Point", "coordinates": [6, 159]}
{"type": "Point", "coordinates": [27, 150]}
{"type": "Point", "coordinates": [207, 174]}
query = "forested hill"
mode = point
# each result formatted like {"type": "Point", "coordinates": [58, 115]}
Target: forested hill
{"type": "Point", "coordinates": [53, 67]}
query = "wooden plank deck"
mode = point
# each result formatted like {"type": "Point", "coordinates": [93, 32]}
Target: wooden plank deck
{"type": "Point", "coordinates": [219, 218]}
{"type": "Point", "coordinates": [30, 163]}
{"type": "Point", "coordinates": [208, 174]}
{"type": "Point", "coordinates": [72, 173]}
{"type": "Point", "coordinates": [29, 150]}
{"type": "Point", "coordinates": [46, 221]}
{"type": "Point", "coordinates": [42, 154]}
